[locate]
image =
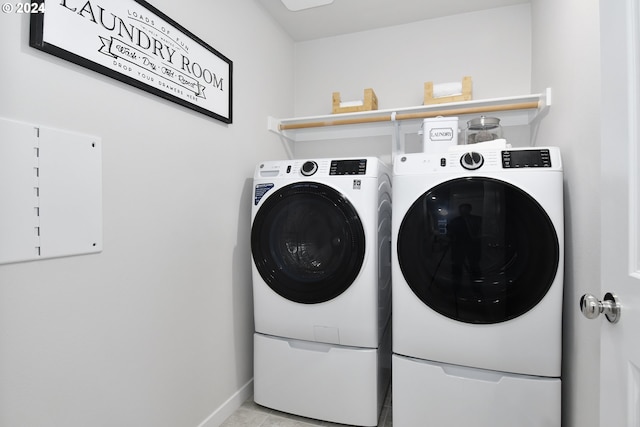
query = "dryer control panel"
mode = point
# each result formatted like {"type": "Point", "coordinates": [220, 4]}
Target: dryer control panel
{"type": "Point", "coordinates": [480, 160]}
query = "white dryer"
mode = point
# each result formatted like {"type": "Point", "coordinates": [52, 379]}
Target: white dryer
{"type": "Point", "coordinates": [320, 240]}
{"type": "Point", "coordinates": [477, 285]}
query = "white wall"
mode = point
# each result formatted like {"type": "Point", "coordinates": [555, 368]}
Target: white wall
{"type": "Point", "coordinates": [156, 330]}
{"type": "Point", "coordinates": [566, 57]}
{"type": "Point", "coordinates": [491, 46]}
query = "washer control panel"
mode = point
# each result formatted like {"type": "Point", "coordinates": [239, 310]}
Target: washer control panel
{"type": "Point", "coordinates": [540, 158]}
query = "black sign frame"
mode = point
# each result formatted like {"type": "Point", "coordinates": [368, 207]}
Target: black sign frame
{"type": "Point", "coordinates": [144, 48]}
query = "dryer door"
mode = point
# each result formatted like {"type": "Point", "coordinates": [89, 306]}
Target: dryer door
{"type": "Point", "coordinates": [478, 250]}
{"type": "Point", "coordinates": [308, 242]}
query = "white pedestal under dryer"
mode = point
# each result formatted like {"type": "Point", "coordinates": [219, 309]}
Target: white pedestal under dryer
{"type": "Point", "coordinates": [477, 275]}
{"type": "Point", "coordinates": [320, 241]}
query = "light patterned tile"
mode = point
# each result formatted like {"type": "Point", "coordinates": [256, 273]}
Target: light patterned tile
{"type": "Point", "coordinates": [251, 404]}
{"type": "Point", "coordinates": [244, 417]}
{"type": "Point", "coordinates": [278, 421]}
{"type": "Point", "coordinates": [251, 414]}
{"type": "Point", "coordinates": [304, 420]}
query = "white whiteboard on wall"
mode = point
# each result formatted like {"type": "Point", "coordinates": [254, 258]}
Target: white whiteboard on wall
{"type": "Point", "coordinates": [50, 192]}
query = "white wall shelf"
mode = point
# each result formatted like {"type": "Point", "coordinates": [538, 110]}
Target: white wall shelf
{"type": "Point", "coordinates": [396, 123]}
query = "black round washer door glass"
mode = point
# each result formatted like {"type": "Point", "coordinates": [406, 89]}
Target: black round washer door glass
{"type": "Point", "coordinates": [308, 242]}
{"type": "Point", "coordinates": [478, 250]}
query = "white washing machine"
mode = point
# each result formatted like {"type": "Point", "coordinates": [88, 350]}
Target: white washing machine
{"type": "Point", "coordinates": [477, 286]}
{"type": "Point", "coordinates": [320, 240]}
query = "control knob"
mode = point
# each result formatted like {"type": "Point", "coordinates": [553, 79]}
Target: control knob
{"type": "Point", "coordinates": [472, 160]}
{"type": "Point", "coordinates": [309, 168]}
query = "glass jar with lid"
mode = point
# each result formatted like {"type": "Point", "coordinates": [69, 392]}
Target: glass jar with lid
{"type": "Point", "coordinates": [482, 129]}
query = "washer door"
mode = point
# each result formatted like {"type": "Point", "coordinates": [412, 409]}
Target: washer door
{"type": "Point", "coordinates": [308, 242]}
{"type": "Point", "coordinates": [478, 250]}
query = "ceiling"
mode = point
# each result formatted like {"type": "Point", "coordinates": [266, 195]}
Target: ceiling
{"type": "Point", "coordinates": [350, 16]}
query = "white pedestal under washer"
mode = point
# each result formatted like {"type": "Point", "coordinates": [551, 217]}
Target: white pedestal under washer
{"type": "Point", "coordinates": [321, 273]}
{"type": "Point", "coordinates": [477, 269]}
{"type": "Point", "coordinates": [340, 384]}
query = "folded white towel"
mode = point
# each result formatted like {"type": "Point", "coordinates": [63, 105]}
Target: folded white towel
{"type": "Point", "coordinates": [447, 89]}
{"type": "Point", "coordinates": [352, 104]}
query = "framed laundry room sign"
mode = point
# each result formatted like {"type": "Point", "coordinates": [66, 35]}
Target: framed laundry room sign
{"type": "Point", "coordinates": [132, 41]}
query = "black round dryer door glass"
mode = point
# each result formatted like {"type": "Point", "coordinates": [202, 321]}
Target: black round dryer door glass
{"type": "Point", "coordinates": [308, 242]}
{"type": "Point", "coordinates": [478, 250]}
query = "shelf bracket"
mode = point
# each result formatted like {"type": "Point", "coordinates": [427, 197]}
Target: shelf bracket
{"type": "Point", "coordinates": [397, 143]}
{"type": "Point", "coordinates": [545, 99]}
{"type": "Point", "coordinates": [273, 125]}
{"type": "Point", "coordinates": [544, 103]}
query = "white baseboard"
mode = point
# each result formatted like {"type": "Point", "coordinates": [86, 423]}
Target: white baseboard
{"type": "Point", "coordinates": [227, 408]}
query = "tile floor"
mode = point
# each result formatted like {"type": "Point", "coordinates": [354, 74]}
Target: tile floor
{"type": "Point", "coordinates": [251, 414]}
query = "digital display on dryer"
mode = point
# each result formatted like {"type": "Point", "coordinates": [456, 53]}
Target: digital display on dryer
{"type": "Point", "coordinates": [348, 167]}
{"type": "Point", "coordinates": [526, 159]}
